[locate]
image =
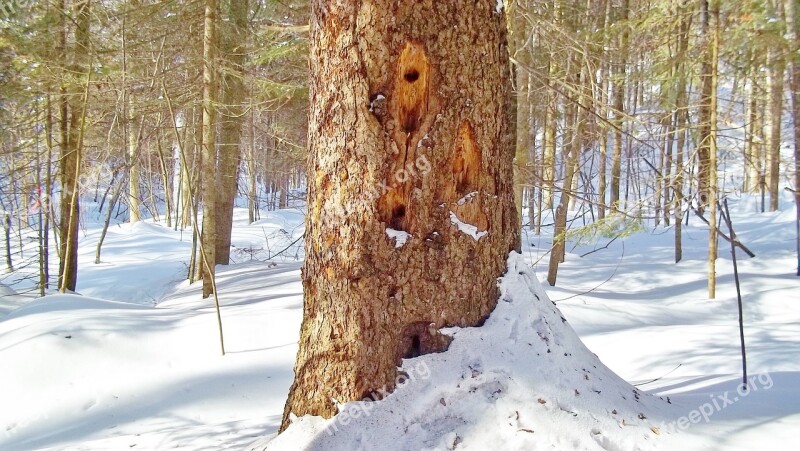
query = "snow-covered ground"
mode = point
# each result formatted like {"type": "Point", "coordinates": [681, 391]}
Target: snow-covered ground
{"type": "Point", "coordinates": [135, 362]}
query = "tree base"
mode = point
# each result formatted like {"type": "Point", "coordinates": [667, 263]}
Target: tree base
{"type": "Point", "coordinates": [521, 381]}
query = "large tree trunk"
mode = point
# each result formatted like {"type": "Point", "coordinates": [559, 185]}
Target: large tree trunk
{"type": "Point", "coordinates": [411, 139]}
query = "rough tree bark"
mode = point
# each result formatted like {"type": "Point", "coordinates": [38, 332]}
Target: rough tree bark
{"type": "Point", "coordinates": [413, 136]}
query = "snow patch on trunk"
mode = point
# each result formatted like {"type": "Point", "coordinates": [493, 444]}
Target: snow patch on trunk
{"type": "Point", "coordinates": [467, 229]}
{"type": "Point", "coordinates": [400, 237]}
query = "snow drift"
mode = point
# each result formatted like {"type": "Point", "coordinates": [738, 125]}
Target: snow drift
{"type": "Point", "coordinates": [523, 380]}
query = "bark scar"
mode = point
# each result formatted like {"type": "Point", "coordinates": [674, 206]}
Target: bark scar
{"type": "Point", "coordinates": [409, 110]}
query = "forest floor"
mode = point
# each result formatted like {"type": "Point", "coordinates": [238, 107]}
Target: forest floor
{"type": "Point", "coordinates": [134, 362]}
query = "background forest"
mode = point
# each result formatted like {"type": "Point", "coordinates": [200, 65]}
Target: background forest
{"type": "Point", "coordinates": [622, 106]}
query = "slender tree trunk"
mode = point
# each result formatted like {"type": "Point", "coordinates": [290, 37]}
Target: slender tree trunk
{"type": "Point", "coordinates": [603, 154]}
{"type": "Point", "coordinates": [712, 151]}
{"type": "Point", "coordinates": [618, 87]}
{"type": "Point", "coordinates": [163, 167]}
{"type": "Point", "coordinates": [521, 175]}
{"type": "Point", "coordinates": [754, 137]}
{"type": "Point", "coordinates": [283, 200]}
{"type": "Point", "coordinates": [533, 159]}
{"type": "Point", "coordinates": [188, 168]}
{"type": "Point", "coordinates": [234, 48]}
{"type": "Point", "coordinates": [793, 23]}
{"type": "Point", "coordinates": [681, 122]}
{"type": "Point", "coordinates": [66, 155]}
{"type": "Point", "coordinates": [413, 149]}
{"type": "Point", "coordinates": [42, 119]}
{"type": "Point", "coordinates": [252, 194]}
{"type": "Point", "coordinates": [150, 179]}
{"type": "Point", "coordinates": [668, 159]}
{"type": "Point", "coordinates": [7, 240]}
{"type": "Point", "coordinates": [571, 152]}
{"type": "Point", "coordinates": [72, 148]}
{"type": "Point", "coordinates": [209, 156]}
{"type": "Point", "coordinates": [603, 101]}
{"type": "Point", "coordinates": [113, 202]}
{"type": "Point", "coordinates": [134, 167]}
{"type": "Point", "coordinates": [46, 204]}
{"type": "Point", "coordinates": [131, 129]}
{"type": "Point", "coordinates": [519, 34]}
{"type": "Point", "coordinates": [776, 67]}
{"type": "Point", "coordinates": [549, 144]}
{"type": "Point", "coordinates": [662, 163]}
{"type": "Point", "coordinates": [631, 181]}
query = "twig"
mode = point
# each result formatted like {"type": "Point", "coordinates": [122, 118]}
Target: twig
{"type": "Point", "coordinates": [619, 262]}
{"type": "Point", "coordinates": [660, 377]}
{"type": "Point", "coordinates": [288, 247]}
{"type": "Point", "coordinates": [204, 260]}
{"type": "Point", "coordinates": [727, 217]}
{"type": "Point", "coordinates": [600, 248]}
{"type": "Point", "coordinates": [725, 237]}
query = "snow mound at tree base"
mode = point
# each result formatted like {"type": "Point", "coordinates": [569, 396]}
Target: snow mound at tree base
{"type": "Point", "coordinates": [523, 380]}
